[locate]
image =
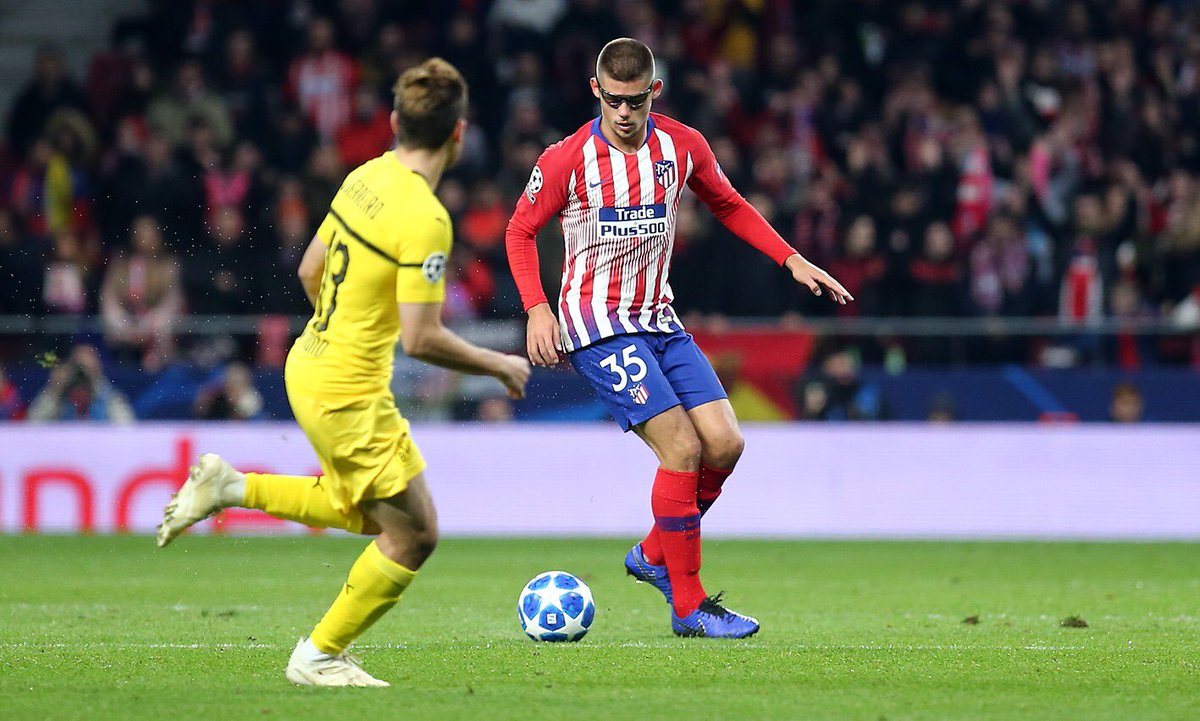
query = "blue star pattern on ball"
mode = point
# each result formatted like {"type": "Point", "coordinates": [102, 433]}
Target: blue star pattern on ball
{"type": "Point", "coordinates": [571, 603]}
{"type": "Point", "coordinates": [556, 606]}
{"type": "Point", "coordinates": [552, 618]}
{"type": "Point", "coordinates": [531, 604]}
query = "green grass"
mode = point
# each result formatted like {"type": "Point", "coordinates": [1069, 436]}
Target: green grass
{"type": "Point", "coordinates": [111, 628]}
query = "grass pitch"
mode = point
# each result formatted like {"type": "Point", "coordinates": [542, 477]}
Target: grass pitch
{"type": "Point", "coordinates": [111, 628]}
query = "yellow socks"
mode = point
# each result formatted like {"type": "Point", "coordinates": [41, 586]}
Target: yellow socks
{"type": "Point", "coordinates": [375, 582]}
{"type": "Point", "coordinates": [374, 585]}
{"type": "Point", "coordinates": [298, 498]}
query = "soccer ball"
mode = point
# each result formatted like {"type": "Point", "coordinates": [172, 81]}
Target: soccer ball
{"type": "Point", "coordinates": [556, 606]}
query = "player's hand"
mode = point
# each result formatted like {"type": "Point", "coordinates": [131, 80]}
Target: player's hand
{"type": "Point", "coordinates": [810, 275]}
{"type": "Point", "coordinates": [542, 338]}
{"type": "Point", "coordinates": [514, 373]}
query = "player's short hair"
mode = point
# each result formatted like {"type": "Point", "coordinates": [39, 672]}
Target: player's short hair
{"type": "Point", "coordinates": [429, 99]}
{"type": "Point", "coordinates": [625, 60]}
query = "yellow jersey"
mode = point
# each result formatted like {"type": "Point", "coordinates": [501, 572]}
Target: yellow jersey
{"type": "Point", "coordinates": [388, 238]}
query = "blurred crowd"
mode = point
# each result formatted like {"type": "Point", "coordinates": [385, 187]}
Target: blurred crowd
{"type": "Point", "coordinates": [79, 389]}
{"type": "Point", "coordinates": [939, 157]}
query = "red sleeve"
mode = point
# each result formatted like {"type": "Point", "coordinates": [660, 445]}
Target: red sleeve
{"type": "Point", "coordinates": [545, 196]}
{"type": "Point", "coordinates": [711, 186]}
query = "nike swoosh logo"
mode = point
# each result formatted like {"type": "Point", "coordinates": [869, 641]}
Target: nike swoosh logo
{"type": "Point", "coordinates": [595, 184]}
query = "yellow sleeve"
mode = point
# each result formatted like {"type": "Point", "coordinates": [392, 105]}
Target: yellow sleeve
{"type": "Point", "coordinates": [325, 231]}
{"type": "Point", "coordinates": [424, 248]}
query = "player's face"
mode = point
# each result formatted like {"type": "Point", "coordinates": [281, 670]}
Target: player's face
{"type": "Point", "coordinates": [625, 106]}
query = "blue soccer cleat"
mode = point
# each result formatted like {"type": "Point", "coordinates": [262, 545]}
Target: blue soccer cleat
{"type": "Point", "coordinates": [643, 571]}
{"type": "Point", "coordinates": [712, 620]}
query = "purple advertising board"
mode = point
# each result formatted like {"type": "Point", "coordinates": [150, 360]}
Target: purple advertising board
{"type": "Point", "coordinates": [795, 480]}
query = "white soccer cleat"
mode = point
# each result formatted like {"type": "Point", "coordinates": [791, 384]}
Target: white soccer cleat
{"type": "Point", "coordinates": [206, 491]}
{"type": "Point", "coordinates": [306, 668]}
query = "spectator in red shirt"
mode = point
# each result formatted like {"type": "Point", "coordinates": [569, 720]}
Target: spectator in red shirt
{"type": "Point", "coordinates": [368, 133]}
{"type": "Point", "coordinates": [486, 218]}
{"type": "Point", "coordinates": [322, 81]}
{"type": "Point", "coordinates": [861, 268]}
{"type": "Point", "coordinates": [937, 275]}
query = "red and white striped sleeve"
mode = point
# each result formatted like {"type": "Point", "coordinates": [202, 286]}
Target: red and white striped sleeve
{"type": "Point", "coordinates": [735, 212]}
{"type": "Point", "coordinates": [544, 197]}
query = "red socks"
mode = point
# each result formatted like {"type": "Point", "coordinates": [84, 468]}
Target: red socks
{"type": "Point", "coordinates": [711, 480]}
{"type": "Point", "coordinates": [677, 524]}
{"type": "Point", "coordinates": [709, 487]}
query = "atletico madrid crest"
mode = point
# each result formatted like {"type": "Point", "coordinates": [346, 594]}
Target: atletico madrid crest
{"type": "Point", "coordinates": [664, 172]}
{"type": "Point", "coordinates": [639, 394]}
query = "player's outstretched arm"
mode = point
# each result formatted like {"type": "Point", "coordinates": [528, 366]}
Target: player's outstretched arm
{"type": "Point", "coordinates": [426, 339]}
{"type": "Point", "coordinates": [735, 213]}
{"type": "Point", "coordinates": [815, 278]}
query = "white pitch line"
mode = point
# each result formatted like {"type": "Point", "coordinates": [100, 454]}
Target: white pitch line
{"type": "Point", "coordinates": [118, 645]}
{"type": "Point", "coordinates": [869, 647]}
{"type": "Point", "coordinates": [125, 645]}
{"type": "Point", "coordinates": [177, 607]}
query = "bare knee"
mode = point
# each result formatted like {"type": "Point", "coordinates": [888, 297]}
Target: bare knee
{"type": "Point", "coordinates": [725, 450]}
{"type": "Point", "coordinates": [682, 451]}
{"type": "Point", "coordinates": [420, 543]}
{"type": "Point", "coordinates": [425, 542]}
{"type": "Point", "coordinates": [408, 523]}
{"type": "Point", "coordinates": [410, 547]}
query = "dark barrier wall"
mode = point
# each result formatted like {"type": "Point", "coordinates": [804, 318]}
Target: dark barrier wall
{"type": "Point", "coordinates": [989, 393]}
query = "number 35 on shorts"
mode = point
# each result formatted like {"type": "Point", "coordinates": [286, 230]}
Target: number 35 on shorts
{"type": "Point", "coordinates": [629, 369]}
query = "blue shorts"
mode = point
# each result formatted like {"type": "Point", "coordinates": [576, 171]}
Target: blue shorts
{"type": "Point", "coordinates": [639, 376]}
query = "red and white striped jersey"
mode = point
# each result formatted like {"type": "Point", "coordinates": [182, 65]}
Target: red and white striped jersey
{"type": "Point", "coordinates": [618, 215]}
{"type": "Point", "coordinates": [323, 86]}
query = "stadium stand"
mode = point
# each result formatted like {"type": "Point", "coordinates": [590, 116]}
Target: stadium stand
{"type": "Point", "coordinates": [1038, 162]}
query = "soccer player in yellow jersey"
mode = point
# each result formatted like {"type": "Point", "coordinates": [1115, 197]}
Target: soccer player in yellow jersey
{"type": "Point", "coordinates": [374, 273]}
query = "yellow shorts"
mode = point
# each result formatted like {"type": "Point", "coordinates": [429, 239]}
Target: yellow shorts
{"type": "Point", "coordinates": [364, 445]}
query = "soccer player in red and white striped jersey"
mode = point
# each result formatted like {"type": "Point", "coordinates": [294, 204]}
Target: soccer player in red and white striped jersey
{"type": "Point", "coordinates": [616, 185]}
